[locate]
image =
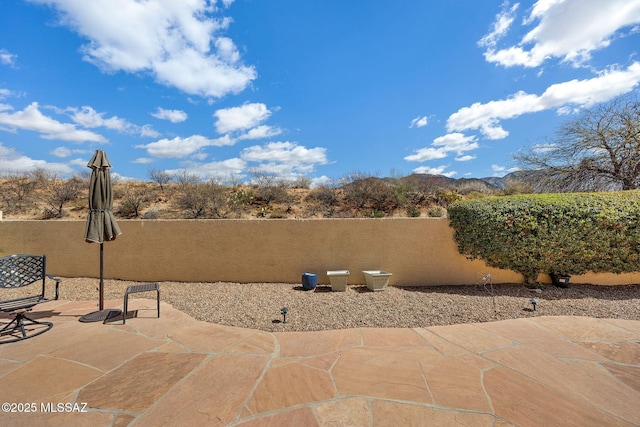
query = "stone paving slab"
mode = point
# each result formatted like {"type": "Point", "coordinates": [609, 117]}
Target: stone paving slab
{"type": "Point", "coordinates": [177, 371]}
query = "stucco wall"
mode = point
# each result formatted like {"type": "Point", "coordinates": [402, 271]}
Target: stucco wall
{"type": "Point", "coordinates": [418, 251]}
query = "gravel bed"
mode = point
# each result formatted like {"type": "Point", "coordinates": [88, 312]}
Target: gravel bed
{"type": "Point", "coordinates": [258, 305]}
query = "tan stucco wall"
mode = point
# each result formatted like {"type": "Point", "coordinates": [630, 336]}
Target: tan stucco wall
{"type": "Point", "coordinates": [418, 251]}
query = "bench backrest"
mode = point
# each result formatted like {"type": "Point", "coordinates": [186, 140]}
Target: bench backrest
{"type": "Point", "coordinates": [21, 270]}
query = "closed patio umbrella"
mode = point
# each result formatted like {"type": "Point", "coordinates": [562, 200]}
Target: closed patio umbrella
{"type": "Point", "coordinates": [101, 224]}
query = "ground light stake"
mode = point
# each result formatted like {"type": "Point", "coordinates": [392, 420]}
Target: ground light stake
{"type": "Point", "coordinates": [284, 311]}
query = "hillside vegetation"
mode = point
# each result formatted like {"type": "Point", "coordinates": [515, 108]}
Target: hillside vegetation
{"type": "Point", "coordinates": [38, 195]}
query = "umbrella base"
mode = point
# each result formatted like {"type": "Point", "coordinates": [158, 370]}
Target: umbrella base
{"type": "Point", "coordinates": [103, 316]}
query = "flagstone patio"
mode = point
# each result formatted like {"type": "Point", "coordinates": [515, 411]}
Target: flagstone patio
{"type": "Point", "coordinates": [178, 371]}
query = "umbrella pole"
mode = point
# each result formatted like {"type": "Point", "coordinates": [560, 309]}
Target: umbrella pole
{"type": "Point", "coordinates": [101, 277]}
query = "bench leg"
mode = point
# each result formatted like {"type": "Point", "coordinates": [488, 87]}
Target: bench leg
{"type": "Point", "coordinates": [19, 322]}
{"type": "Point", "coordinates": [125, 311]}
{"type": "Point", "coordinates": [126, 306]}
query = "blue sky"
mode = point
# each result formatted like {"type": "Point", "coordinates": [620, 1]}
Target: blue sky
{"type": "Point", "coordinates": [321, 89]}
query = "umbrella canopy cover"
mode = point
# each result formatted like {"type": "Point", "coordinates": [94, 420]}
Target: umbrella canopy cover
{"type": "Point", "coordinates": [101, 223]}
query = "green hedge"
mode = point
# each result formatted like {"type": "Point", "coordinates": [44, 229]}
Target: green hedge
{"type": "Point", "coordinates": [551, 233]}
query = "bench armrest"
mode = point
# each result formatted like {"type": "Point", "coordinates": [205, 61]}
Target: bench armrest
{"type": "Point", "coordinates": [57, 280]}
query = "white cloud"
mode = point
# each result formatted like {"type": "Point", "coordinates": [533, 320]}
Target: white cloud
{"type": "Point", "coordinates": [33, 120]}
{"type": "Point", "coordinates": [566, 110]}
{"type": "Point", "coordinates": [143, 161]}
{"type": "Point", "coordinates": [284, 152]}
{"type": "Point", "coordinates": [434, 171]}
{"type": "Point", "coordinates": [502, 170]}
{"type": "Point", "coordinates": [418, 122]}
{"type": "Point", "coordinates": [87, 117]}
{"type": "Point", "coordinates": [540, 8]}
{"type": "Point", "coordinates": [82, 162]}
{"type": "Point", "coordinates": [12, 162]}
{"type": "Point", "coordinates": [147, 131]}
{"type": "Point", "coordinates": [6, 93]}
{"type": "Point", "coordinates": [544, 148]}
{"type": "Point", "coordinates": [500, 26]}
{"type": "Point", "coordinates": [321, 180]}
{"type": "Point", "coordinates": [225, 170]}
{"type": "Point", "coordinates": [442, 146]}
{"type": "Point", "coordinates": [425, 154]}
{"type": "Point", "coordinates": [456, 142]}
{"type": "Point", "coordinates": [227, 50]}
{"type": "Point", "coordinates": [567, 29]}
{"type": "Point", "coordinates": [174, 116]}
{"type": "Point", "coordinates": [7, 58]}
{"type": "Point", "coordinates": [182, 147]}
{"type": "Point", "coordinates": [63, 152]}
{"type": "Point", "coordinates": [246, 118]}
{"type": "Point", "coordinates": [260, 132]}
{"type": "Point", "coordinates": [240, 118]}
{"type": "Point", "coordinates": [171, 40]}
{"type": "Point", "coordinates": [582, 93]}
{"type": "Point", "coordinates": [285, 159]}
{"type": "Point", "coordinates": [465, 158]}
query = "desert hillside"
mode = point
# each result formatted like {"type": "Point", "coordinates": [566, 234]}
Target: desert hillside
{"type": "Point", "coordinates": [38, 196]}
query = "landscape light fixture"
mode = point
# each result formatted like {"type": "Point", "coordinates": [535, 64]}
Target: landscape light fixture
{"type": "Point", "coordinates": [284, 311]}
{"type": "Point", "coordinates": [533, 302]}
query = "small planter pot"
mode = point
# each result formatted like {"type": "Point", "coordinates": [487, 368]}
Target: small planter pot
{"type": "Point", "coordinates": [559, 280]}
{"type": "Point", "coordinates": [309, 281]}
{"type": "Point", "coordinates": [377, 280]}
{"type": "Point", "coordinates": [338, 279]}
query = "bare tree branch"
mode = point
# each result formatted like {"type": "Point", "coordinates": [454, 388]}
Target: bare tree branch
{"type": "Point", "coordinates": [598, 151]}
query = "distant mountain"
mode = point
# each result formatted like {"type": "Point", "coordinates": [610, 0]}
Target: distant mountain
{"type": "Point", "coordinates": [440, 182]}
{"type": "Point", "coordinates": [433, 183]}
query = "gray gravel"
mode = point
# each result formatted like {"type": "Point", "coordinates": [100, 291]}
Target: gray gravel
{"type": "Point", "coordinates": [257, 305]}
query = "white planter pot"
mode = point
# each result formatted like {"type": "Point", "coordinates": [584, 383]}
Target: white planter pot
{"type": "Point", "coordinates": [338, 279]}
{"type": "Point", "coordinates": [377, 280]}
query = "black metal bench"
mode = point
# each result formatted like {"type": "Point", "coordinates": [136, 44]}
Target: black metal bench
{"type": "Point", "coordinates": [17, 271]}
{"type": "Point", "coordinates": [146, 287]}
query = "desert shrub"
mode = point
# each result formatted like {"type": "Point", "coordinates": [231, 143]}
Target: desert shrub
{"type": "Point", "coordinates": [264, 211]}
{"type": "Point", "coordinates": [200, 199]}
{"type": "Point", "coordinates": [323, 195]}
{"type": "Point", "coordinates": [134, 196]}
{"type": "Point", "coordinates": [57, 193]}
{"type": "Point", "coordinates": [301, 182]}
{"type": "Point", "coordinates": [551, 233]}
{"type": "Point", "coordinates": [277, 213]}
{"type": "Point", "coordinates": [417, 198]}
{"type": "Point", "coordinates": [160, 177]}
{"type": "Point", "coordinates": [445, 198]}
{"type": "Point", "coordinates": [276, 193]}
{"type": "Point", "coordinates": [269, 187]}
{"type": "Point", "coordinates": [218, 197]}
{"type": "Point", "coordinates": [369, 193]}
{"type": "Point", "coordinates": [152, 213]}
{"type": "Point", "coordinates": [321, 200]}
{"type": "Point", "coordinates": [126, 209]}
{"type": "Point", "coordinates": [435, 212]}
{"type": "Point", "coordinates": [239, 199]}
{"type": "Point", "coordinates": [17, 193]}
{"type": "Point", "coordinates": [413, 212]}
{"type": "Point", "coordinates": [193, 199]}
